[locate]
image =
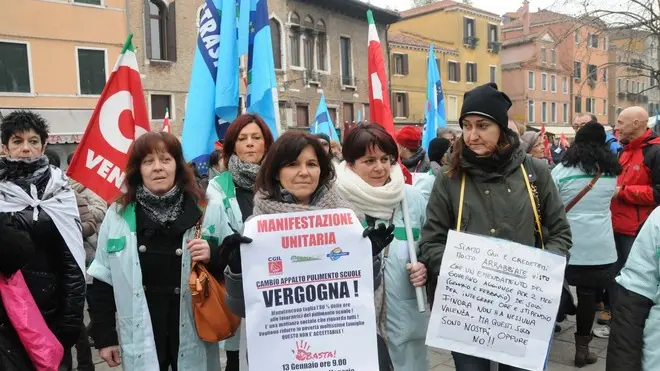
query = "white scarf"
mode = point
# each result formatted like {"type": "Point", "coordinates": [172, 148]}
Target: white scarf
{"type": "Point", "coordinates": [377, 202]}
{"type": "Point", "coordinates": [58, 201]}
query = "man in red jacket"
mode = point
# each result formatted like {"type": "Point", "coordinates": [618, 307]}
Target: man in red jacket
{"type": "Point", "coordinates": [638, 187]}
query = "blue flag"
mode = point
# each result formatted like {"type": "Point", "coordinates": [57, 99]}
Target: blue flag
{"type": "Point", "coordinates": [435, 102]}
{"type": "Point", "coordinates": [262, 84]}
{"type": "Point", "coordinates": [243, 7]}
{"type": "Point", "coordinates": [323, 122]}
{"type": "Point", "coordinates": [207, 100]}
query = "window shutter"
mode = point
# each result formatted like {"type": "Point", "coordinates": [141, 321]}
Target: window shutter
{"type": "Point", "coordinates": [405, 64]}
{"type": "Point", "coordinates": [465, 28]}
{"type": "Point", "coordinates": [458, 71]}
{"type": "Point", "coordinates": [405, 104]}
{"type": "Point", "coordinates": [474, 69]}
{"type": "Point", "coordinates": [393, 104]}
{"type": "Point", "coordinates": [393, 64]}
{"type": "Point", "coordinates": [171, 32]}
{"type": "Point", "coordinates": [147, 29]}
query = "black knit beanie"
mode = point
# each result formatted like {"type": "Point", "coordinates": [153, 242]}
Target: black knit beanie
{"type": "Point", "coordinates": [592, 132]}
{"type": "Point", "coordinates": [488, 102]}
{"type": "Point", "coordinates": [437, 149]}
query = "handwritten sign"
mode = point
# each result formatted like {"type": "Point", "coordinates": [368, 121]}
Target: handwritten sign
{"type": "Point", "coordinates": [308, 288]}
{"type": "Point", "coordinates": [497, 300]}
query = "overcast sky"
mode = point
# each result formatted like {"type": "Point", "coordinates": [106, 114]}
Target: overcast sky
{"type": "Point", "coordinates": [498, 7]}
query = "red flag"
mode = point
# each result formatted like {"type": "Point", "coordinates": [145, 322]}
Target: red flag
{"type": "Point", "coordinates": [379, 96]}
{"type": "Point", "coordinates": [120, 116]}
{"type": "Point", "coordinates": [563, 141]}
{"type": "Point", "coordinates": [547, 153]}
{"type": "Point", "coordinates": [166, 121]}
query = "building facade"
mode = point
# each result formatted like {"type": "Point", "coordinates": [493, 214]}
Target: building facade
{"type": "Point", "coordinates": [581, 48]}
{"type": "Point", "coordinates": [55, 57]}
{"type": "Point", "coordinates": [466, 59]}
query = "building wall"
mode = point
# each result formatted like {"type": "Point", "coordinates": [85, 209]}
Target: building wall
{"type": "Point", "coordinates": [53, 30]}
{"type": "Point", "coordinates": [440, 28]}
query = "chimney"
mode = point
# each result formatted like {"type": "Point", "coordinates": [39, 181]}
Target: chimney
{"type": "Point", "coordinates": [525, 17]}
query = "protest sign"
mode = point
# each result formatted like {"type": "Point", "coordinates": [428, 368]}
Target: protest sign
{"type": "Point", "coordinates": [309, 292]}
{"type": "Point", "coordinates": [497, 300]}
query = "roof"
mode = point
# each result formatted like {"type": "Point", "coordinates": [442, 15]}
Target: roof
{"type": "Point", "coordinates": [547, 16]}
{"type": "Point", "coordinates": [524, 39]}
{"type": "Point", "coordinates": [357, 9]}
{"type": "Point", "coordinates": [414, 41]}
{"type": "Point", "coordinates": [441, 5]}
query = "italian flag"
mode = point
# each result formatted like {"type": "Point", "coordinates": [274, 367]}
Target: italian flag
{"type": "Point", "coordinates": [379, 96]}
{"type": "Point", "coordinates": [166, 121]}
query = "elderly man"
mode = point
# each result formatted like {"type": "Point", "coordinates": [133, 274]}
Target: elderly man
{"type": "Point", "coordinates": [584, 118]}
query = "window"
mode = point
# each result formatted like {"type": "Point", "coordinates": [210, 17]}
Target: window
{"type": "Point", "coordinates": [452, 108]}
{"type": "Point", "coordinates": [468, 27]}
{"type": "Point", "coordinates": [628, 86]}
{"type": "Point", "coordinates": [349, 115]}
{"type": "Point", "coordinates": [493, 74]}
{"type": "Point", "coordinates": [302, 115]}
{"type": "Point", "coordinates": [294, 48]}
{"type": "Point", "coordinates": [592, 72]}
{"type": "Point", "coordinates": [544, 112]}
{"type": "Point", "coordinates": [530, 111]}
{"type": "Point", "coordinates": [578, 104]}
{"type": "Point", "coordinates": [91, 2]}
{"type": "Point", "coordinates": [618, 85]}
{"type": "Point", "coordinates": [14, 68]}
{"type": "Point", "coordinates": [604, 74]}
{"type": "Point", "coordinates": [308, 52]}
{"type": "Point", "coordinates": [159, 104]}
{"type": "Point", "coordinates": [565, 113]}
{"type": "Point", "coordinates": [492, 33]}
{"type": "Point", "coordinates": [643, 88]}
{"type": "Point", "coordinates": [333, 115]}
{"type": "Point", "coordinates": [553, 112]}
{"type": "Point", "coordinates": [543, 56]}
{"type": "Point", "coordinates": [577, 70]}
{"type": "Point", "coordinates": [592, 41]}
{"type": "Point", "coordinates": [91, 71]}
{"type": "Point", "coordinates": [530, 80]}
{"type": "Point", "coordinates": [591, 105]}
{"type": "Point", "coordinates": [400, 64]}
{"type": "Point", "coordinates": [637, 90]}
{"type": "Point", "coordinates": [604, 113]}
{"type": "Point", "coordinates": [308, 22]}
{"type": "Point", "coordinates": [367, 112]}
{"type": "Point", "coordinates": [544, 82]}
{"type": "Point", "coordinates": [471, 72]}
{"type": "Point", "coordinates": [577, 36]}
{"type": "Point", "coordinates": [400, 105]}
{"type": "Point", "coordinates": [322, 46]}
{"type": "Point", "coordinates": [553, 57]}
{"type": "Point", "coordinates": [346, 61]}
{"type": "Point", "coordinates": [553, 83]}
{"type": "Point", "coordinates": [294, 18]}
{"type": "Point", "coordinates": [564, 85]}
{"type": "Point", "coordinates": [454, 71]}
{"type": "Point", "coordinates": [160, 30]}
{"type": "Point", "coordinates": [276, 38]}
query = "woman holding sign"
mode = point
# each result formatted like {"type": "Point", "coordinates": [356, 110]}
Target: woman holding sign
{"type": "Point", "coordinates": [296, 175]}
{"type": "Point", "coordinates": [372, 181]}
{"type": "Point", "coordinates": [143, 263]}
{"type": "Point", "coordinates": [246, 141]}
{"type": "Point", "coordinates": [503, 190]}
{"type": "Point", "coordinates": [586, 180]}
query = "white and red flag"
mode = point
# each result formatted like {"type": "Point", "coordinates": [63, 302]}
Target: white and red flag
{"type": "Point", "coordinates": [166, 122]}
{"type": "Point", "coordinates": [120, 116]}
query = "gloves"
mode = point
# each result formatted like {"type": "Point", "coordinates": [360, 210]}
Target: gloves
{"type": "Point", "coordinates": [380, 237]}
{"type": "Point", "coordinates": [230, 251]}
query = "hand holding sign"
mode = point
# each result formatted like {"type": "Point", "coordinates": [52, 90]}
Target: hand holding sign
{"type": "Point", "coordinates": [230, 251]}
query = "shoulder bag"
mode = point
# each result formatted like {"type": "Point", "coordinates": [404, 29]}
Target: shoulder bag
{"type": "Point", "coordinates": [583, 192]}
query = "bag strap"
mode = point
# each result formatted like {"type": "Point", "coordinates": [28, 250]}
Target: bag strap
{"type": "Point", "coordinates": [583, 192]}
{"type": "Point", "coordinates": [460, 204]}
{"type": "Point", "coordinates": [537, 218]}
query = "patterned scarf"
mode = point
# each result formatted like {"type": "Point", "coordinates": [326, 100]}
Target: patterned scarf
{"type": "Point", "coordinates": [23, 172]}
{"type": "Point", "coordinates": [243, 173]}
{"type": "Point", "coordinates": [165, 208]}
{"type": "Point", "coordinates": [323, 198]}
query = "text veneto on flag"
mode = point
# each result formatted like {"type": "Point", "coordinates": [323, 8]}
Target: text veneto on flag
{"type": "Point", "coordinates": [120, 116]}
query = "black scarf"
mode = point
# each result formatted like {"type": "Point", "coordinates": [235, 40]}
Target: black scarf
{"type": "Point", "coordinates": [24, 172]}
{"type": "Point", "coordinates": [495, 162]}
{"type": "Point", "coordinates": [165, 208]}
{"type": "Point", "coordinates": [415, 159]}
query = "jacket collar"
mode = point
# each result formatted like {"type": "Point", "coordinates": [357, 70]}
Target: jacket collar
{"type": "Point", "coordinates": [640, 142]}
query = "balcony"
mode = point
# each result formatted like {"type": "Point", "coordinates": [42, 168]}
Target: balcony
{"type": "Point", "coordinates": [621, 95]}
{"type": "Point", "coordinates": [632, 96]}
{"type": "Point", "coordinates": [312, 77]}
{"type": "Point", "coordinates": [471, 42]}
{"type": "Point", "coordinates": [494, 47]}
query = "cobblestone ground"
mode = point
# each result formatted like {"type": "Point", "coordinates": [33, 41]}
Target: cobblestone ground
{"type": "Point", "coordinates": [561, 354]}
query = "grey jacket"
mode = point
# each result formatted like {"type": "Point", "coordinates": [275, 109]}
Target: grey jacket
{"type": "Point", "coordinates": [495, 205]}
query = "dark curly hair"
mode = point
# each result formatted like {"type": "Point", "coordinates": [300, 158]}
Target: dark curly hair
{"type": "Point", "coordinates": [591, 157]}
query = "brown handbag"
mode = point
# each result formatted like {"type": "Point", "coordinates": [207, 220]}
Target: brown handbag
{"type": "Point", "coordinates": [213, 319]}
{"type": "Point", "coordinates": [583, 192]}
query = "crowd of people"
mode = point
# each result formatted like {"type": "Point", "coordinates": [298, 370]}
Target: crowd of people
{"type": "Point", "coordinates": [593, 200]}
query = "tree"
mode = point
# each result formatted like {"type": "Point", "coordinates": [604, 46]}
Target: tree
{"type": "Point", "coordinates": [423, 2]}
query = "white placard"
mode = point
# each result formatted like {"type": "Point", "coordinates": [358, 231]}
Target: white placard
{"type": "Point", "coordinates": [497, 300]}
{"type": "Point", "coordinates": [309, 295]}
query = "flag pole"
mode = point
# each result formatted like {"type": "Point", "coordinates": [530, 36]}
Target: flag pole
{"type": "Point", "coordinates": [412, 249]}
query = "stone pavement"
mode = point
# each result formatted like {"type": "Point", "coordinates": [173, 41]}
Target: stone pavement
{"type": "Point", "coordinates": [561, 354]}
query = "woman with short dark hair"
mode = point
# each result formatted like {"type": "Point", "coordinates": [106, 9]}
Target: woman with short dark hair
{"type": "Point", "coordinates": [589, 164]}
{"type": "Point", "coordinates": [372, 181]}
{"type": "Point", "coordinates": [296, 175]}
{"type": "Point", "coordinates": [150, 230]}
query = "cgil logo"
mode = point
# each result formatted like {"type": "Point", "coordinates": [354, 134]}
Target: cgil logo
{"type": "Point", "coordinates": [275, 266]}
{"type": "Point", "coordinates": [336, 253]}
